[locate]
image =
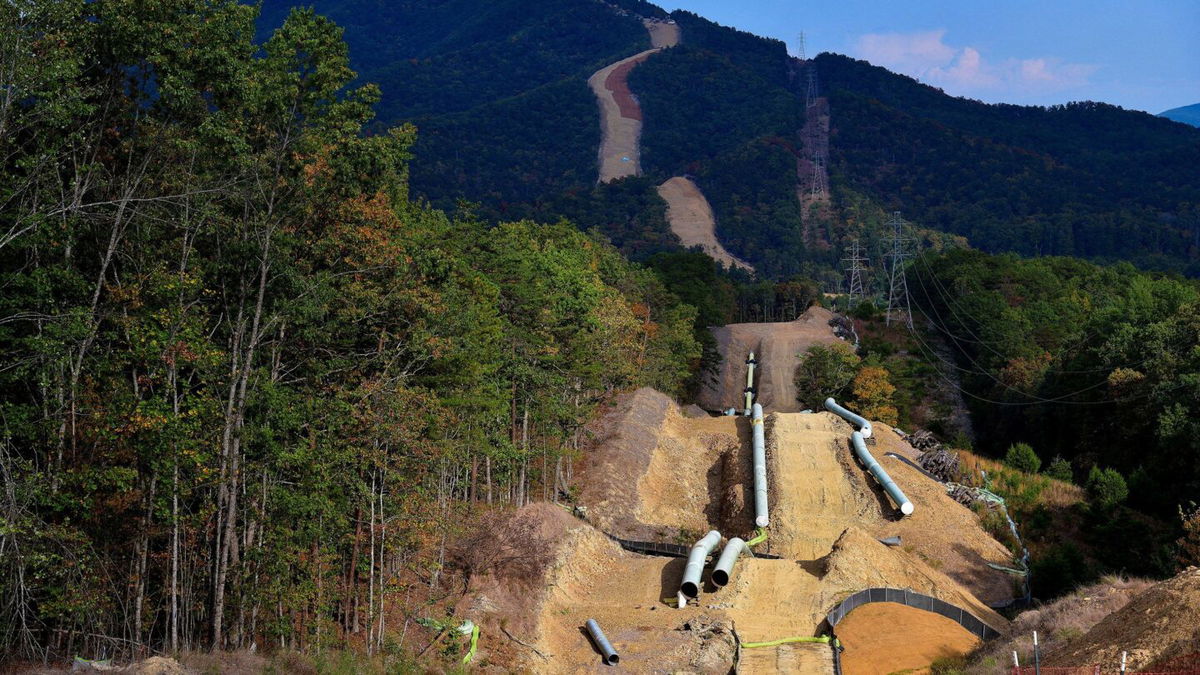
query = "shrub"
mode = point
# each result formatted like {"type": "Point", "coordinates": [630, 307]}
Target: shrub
{"type": "Point", "coordinates": [1189, 544]}
{"type": "Point", "coordinates": [1021, 457]}
{"type": "Point", "coordinates": [823, 372]}
{"type": "Point", "coordinates": [1060, 468]}
{"type": "Point", "coordinates": [1058, 571]}
{"type": "Point", "coordinates": [1106, 487]}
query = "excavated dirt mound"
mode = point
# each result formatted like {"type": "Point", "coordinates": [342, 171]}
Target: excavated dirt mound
{"type": "Point", "coordinates": [691, 218]}
{"type": "Point", "coordinates": [940, 531]}
{"type": "Point", "coordinates": [1159, 624]}
{"type": "Point", "coordinates": [886, 637]}
{"type": "Point", "coordinates": [653, 473]}
{"type": "Point", "coordinates": [778, 348]}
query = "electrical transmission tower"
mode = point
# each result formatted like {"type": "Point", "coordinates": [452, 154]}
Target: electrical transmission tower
{"type": "Point", "coordinates": [856, 263]}
{"type": "Point", "coordinates": [818, 177]}
{"type": "Point", "coordinates": [896, 243]}
{"type": "Point", "coordinates": [810, 94]}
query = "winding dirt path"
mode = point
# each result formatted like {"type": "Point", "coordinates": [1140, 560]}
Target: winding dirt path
{"type": "Point", "coordinates": [692, 220]}
{"type": "Point", "coordinates": [620, 115]}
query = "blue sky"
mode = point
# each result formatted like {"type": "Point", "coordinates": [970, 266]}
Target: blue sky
{"type": "Point", "coordinates": [1143, 55]}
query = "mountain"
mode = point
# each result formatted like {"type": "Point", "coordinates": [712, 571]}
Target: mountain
{"type": "Point", "coordinates": [1188, 114]}
{"type": "Point", "coordinates": [498, 92]}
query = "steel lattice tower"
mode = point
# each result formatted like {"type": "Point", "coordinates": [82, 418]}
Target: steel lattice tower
{"type": "Point", "coordinates": [896, 242]}
{"type": "Point", "coordinates": [818, 177]}
{"type": "Point", "coordinates": [857, 264]}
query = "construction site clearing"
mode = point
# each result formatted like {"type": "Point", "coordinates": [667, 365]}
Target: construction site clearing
{"type": "Point", "coordinates": [656, 472]}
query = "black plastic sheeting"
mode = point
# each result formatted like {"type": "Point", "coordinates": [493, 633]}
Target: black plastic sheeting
{"type": "Point", "coordinates": [665, 549]}
{"type": "Point", "coordinates": [904, 596]}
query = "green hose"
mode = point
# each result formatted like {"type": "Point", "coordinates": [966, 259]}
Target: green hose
{"type": "Point", "coordinates": [474, 643]}
{"type": "Point", "coordinates": [824, 639]}
{"type": "Point", "coordinates": [760, 535]}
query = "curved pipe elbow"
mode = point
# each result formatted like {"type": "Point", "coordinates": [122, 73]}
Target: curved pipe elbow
{"type": "Point", "coordinates": [695, 564]}
{"type": "Point", "coordinates": [863, 424]}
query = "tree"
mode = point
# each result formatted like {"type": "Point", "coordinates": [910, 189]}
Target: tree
{"type": "Point", "coordinates": [1106, 487]}
{"type": "Point", "coordinates": [873, 391]}
{"type": "Point", "coordinates": [825, 370]}
{"type": "Point", "coordinates": [1021, 457]}
{"type": "Point", "coordinates": [1060, 469]}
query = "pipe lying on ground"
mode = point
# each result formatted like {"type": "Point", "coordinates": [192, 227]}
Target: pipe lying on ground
{"type": "Point", "coordinates": [889, 485]}
{"type": "Point", "coordinates": [690, 587]}
{"type": "Point", "coordinates": [606, 649]}
{"type": "Point", "coordinates": [750, 363]}
{"type": "Point", "coordinates": [761, 517]}
{"type": "Point", "coordinates": [729, 556]}
{"type": "Point", "coordinates": [864, 426]}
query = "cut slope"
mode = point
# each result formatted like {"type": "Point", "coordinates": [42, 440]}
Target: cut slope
{"type": "Point", "coordinates": [691, 220]}
{"type": "Point", "coordinates": [777, 347]}
{"type": "Point", "coordinates": [1159, 624]}
{"type": "Point", "coordinates": [620, 115]}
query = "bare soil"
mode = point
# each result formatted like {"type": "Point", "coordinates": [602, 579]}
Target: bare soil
{"type": "Point", "coordinates": [777, 347]}
{"type": "Point", "coordinates": [1159, 624]}
{"type": "Point", "coordinates": [691, 219]}
{"type": "Point", "coordinates": [886, 637]}
{"type": "Point", "coordinates": [620, 119]}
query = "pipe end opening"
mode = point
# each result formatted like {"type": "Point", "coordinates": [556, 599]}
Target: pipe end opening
{"type": "Point", "coordinates": [720, 578]}
{"type": "Point", "coordinates": [689, 589]}
{"type": "Point", "coordinates": [906, 508]}
{"type": "Point", "coordinates": [612, 660]}
{"type": "Point", "coordinates": [762, 521]}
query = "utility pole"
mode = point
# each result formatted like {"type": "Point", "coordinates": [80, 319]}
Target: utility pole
{"type": "Point", "coordinates": [898, 305]}
{"type": "Point", "coordinates": [857, 264]}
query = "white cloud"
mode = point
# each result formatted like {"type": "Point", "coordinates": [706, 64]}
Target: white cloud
{"type": "Point", "coordinates": [965, 71]}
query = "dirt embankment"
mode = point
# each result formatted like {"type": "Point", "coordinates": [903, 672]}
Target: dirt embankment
{"type": "Point", "coordinates": [620, 114]}
{"type": "Point", "coordinates": [691, 219]}
{"type": "Point", "coordinates": [778, 348]}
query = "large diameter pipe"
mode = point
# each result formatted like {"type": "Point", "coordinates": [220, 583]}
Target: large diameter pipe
{"type": "Point", "coordinates": [750, 363]}
{"type": "Point", "coordinates": [690, 587]}
{"type": "Point", "coordinates": [729, 556]}
{"type": "Point", "coordinates": [606, 649]}
{"type": "Point", "coordinates": [864, 426]}
{"type": "Point", "coordinates": [881, 475]}
{"type": "Point", "coordinates": [761, 517]}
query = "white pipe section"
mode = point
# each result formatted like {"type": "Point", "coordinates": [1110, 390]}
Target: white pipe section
{"type": "Point", "coordinates": [690, 587]}
{"type": "Point", "coordinates": [761, 517]}
{"type": "Point", "coordinates": [864, 426]}
{"type": "Point", "coordinates": [750, 363]}
{"type": "Point", "coordinates": [889, 485]}
{"type": "Point", "coordinates": [729, 556]}
{"type": "Point", "coordinates": [611, 658]}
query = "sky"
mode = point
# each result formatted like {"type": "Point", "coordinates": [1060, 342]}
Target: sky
{"type": "Point", "coordinates": [1138, 54]}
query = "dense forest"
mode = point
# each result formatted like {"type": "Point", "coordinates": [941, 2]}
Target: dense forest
{"type": "Point", "coordinates": [250, 388]}
{"type": "Point", "coordinates": [507, 122]}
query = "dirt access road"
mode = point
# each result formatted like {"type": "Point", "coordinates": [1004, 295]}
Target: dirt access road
{"type": "Point", "coordinates": [777, 347]}
{"type": "Point", "coordinates": [620, 114]}
{"type": "Point", "coordinates": [691, 219]}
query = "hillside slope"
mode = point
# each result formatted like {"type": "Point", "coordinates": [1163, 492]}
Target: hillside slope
{"type": "Point", "coordinates": [1188, 114]}
{"type": "Point", "coordinates": [499, 93]}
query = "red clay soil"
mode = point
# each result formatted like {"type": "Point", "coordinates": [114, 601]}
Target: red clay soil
{"type": "Point", "coordinates": [617, 83]}
{"type": "Point", "coordinates": [885, 637]}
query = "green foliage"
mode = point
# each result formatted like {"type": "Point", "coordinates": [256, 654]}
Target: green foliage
{"type": "Point", "coordinates": [1060, 469]}
{"type": "Point", "coordinates": [1058, 571]}
{"type": "Point", "coordinates": [244, 376]}
{"type": "Point", "coordinates": [1021, 457]}
{"type": "Point", "coordinates": [1106, 487]}
{"type": "Point", "coordinates": [825, 370]}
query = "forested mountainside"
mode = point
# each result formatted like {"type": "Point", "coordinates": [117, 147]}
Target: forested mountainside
{"type": "Point", "coordinates": [233, 346]}
{"type": "Point", "coordinates": [498, 90]}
